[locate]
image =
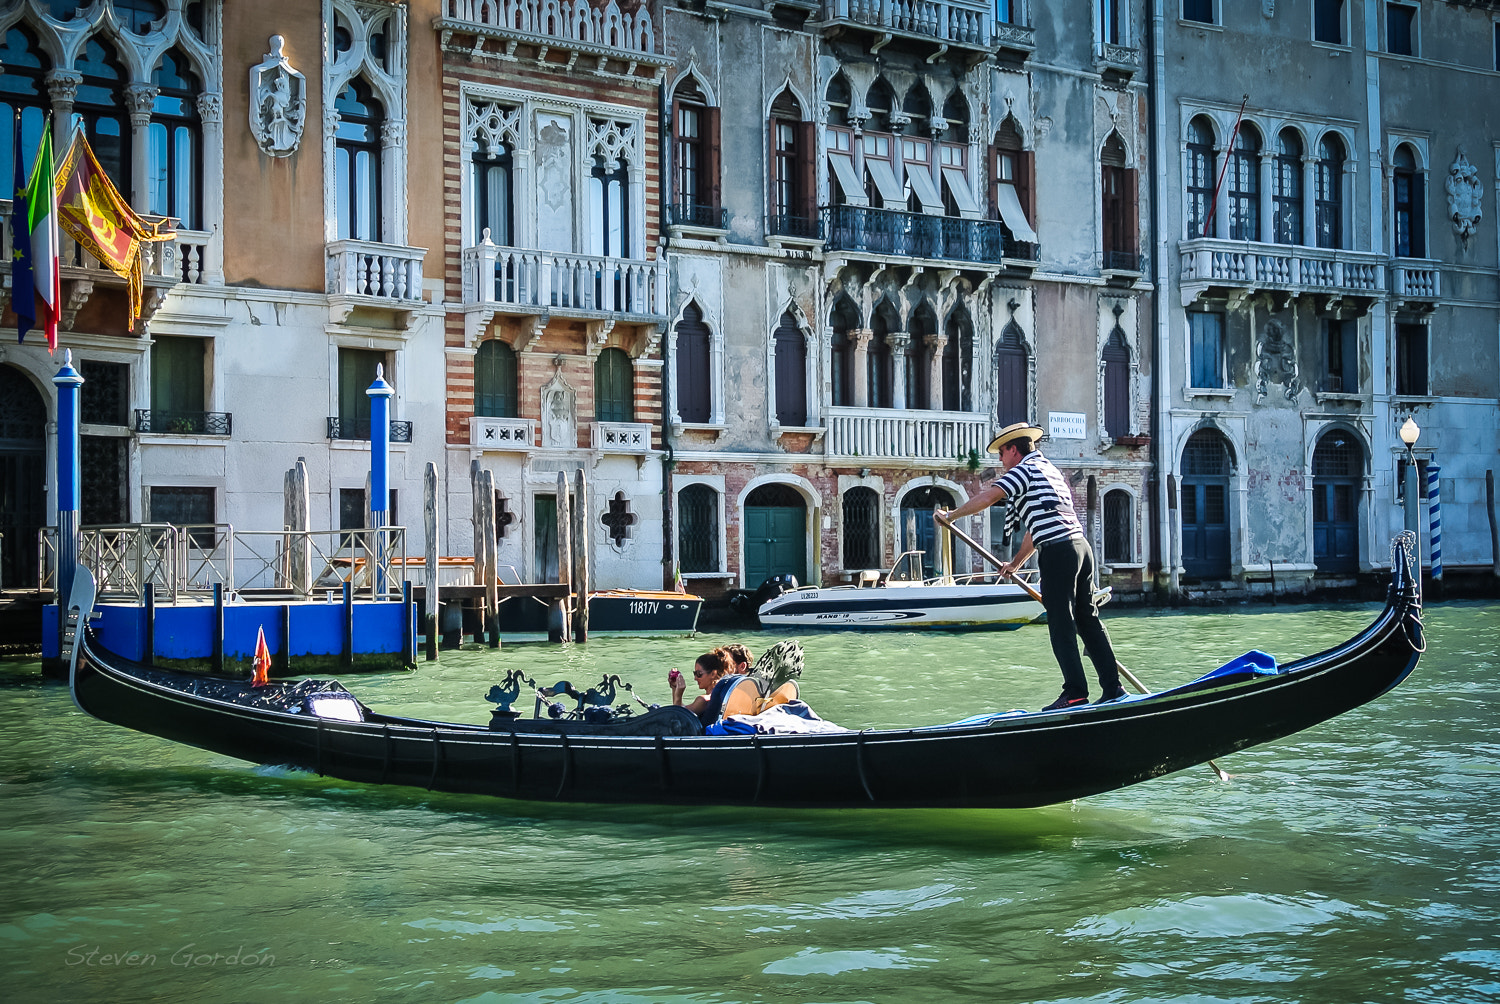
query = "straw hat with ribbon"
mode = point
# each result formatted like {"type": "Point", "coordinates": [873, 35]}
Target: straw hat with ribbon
{"type": "Point", "coordinates": [1011, 433]}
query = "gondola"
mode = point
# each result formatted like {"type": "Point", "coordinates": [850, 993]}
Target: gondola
{"type": "Point", "coordinates": [1008, 760]}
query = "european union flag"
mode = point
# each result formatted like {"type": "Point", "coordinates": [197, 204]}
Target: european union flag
{"type": "Point", "coordinates": [23, 269]}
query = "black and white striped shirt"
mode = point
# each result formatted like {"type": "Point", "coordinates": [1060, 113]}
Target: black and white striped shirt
{"type": "Point", "coordinates": [1039, 497]}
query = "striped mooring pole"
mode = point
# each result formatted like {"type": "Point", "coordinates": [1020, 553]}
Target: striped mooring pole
{"type": "Point", "coordinates": [1435, 520]}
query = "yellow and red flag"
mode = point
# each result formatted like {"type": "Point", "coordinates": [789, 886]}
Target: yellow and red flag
{"type": "Point", "coordinates": [92, 212]}
{"type": "Point", "coordinates": [262, 674]}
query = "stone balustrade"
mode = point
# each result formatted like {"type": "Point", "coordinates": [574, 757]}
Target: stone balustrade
{"type": "Point", "coordinates": [606, 26]}
{"type": "Point", "coordinates": [1252, 266]}
{"type": "Point", "coordinates": [935, 437]}
{"type": "Point", "coordinates": [1412, 280]}
{"type": "Point", "coordinates": [544, 281]}
{"type": "Point", "coordinates": [514, 435]}
{"type": "Point", "coordinates": [966, 24]}
{"type": "Point", "coordinates": [382, 271]}
{"type": "Point", "coordinates": [621, 437]}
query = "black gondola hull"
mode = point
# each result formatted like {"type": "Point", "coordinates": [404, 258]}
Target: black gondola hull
{"type": "Point", "coordinates": [1006, 762]}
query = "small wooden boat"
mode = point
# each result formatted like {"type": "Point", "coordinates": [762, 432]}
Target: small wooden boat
{"type": "Point", "coordinates": [1000, 760]}
{"type": "Point", "coordinates": [904, 600]}
{"type": "Point", "coordinates": [636, 613]}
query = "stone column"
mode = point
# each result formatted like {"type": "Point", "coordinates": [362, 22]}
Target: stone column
{"type": "Point", "coordinates": [1267, 220]}
{"type": "Point", "coordinates": [859, 341]}
{"type": "Point", "coordinates": [393, 184]}
{"type": "Point", "coordinates": [211, 115]}
{"type": "Point", "coordinates": [1221, 203]}
{"type": "Point", "coordinates": [140, 100]}
{"type": "Point", "coordinates": [1309, 203]}
{"type": "Point", "coordinates": [936, 343]}
{"type": "Point", "coordinates": [898, 341]}
{"type": "Point", "coordinates": [62, 87]}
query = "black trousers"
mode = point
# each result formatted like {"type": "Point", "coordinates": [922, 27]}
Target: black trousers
{"type": "Point", "coordinates": [1067, 574]}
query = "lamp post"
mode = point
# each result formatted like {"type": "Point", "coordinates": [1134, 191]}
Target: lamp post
{"type": "Point", "coordinates": [1409, 433]}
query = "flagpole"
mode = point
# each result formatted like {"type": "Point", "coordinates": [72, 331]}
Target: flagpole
{"type": "Point", "coordinates": [1224, 167]}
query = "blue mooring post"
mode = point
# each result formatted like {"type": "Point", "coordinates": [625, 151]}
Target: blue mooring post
{"type": "Point", "coordinates": [380, 478]}
{"type": "Point", "coordinates": [67, 380]}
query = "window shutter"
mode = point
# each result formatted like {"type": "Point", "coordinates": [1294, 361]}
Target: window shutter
{"type": "Point", "coordinates": [711, 157]}
{"type": "Point", "coordinates": [674, 145]}
{"type": "Point", "coordinates": [1132, 211]}
{"type": "Point", "coordinates": [1025, 172]}
{"type": "Point", "coordinates": [807, 168]}
{"type": "Point", "coordinates": [994, 155]}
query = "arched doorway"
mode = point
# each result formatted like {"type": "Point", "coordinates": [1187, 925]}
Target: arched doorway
{"type": "Point", "coordinates": [916, 507]}
{"type": "Point", "coordinates": [1205, 506]}
{"type": "Point", "coordinates": [1337, 465]}
{"type": "Point", "coordinates": [23, 476]}
{"type": "Point", "coordinates": [775, 534]}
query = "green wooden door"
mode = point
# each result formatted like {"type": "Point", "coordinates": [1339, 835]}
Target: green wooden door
{"type": "Point", "coordinates": [775, 543]}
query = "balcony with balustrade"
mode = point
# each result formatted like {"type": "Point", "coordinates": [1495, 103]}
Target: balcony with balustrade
{"type": "Point", "coordinates": [1416, 283]}
{"type": "Point", "coordinates": [893, 233]}
{"type": "Point", "coordinates": [601, 38]}
{"type": "Point", "coordinates": [1214, 268]}
{"type": "Point", "coordinates": [372, 275]}
{"type": "Point", "coordinates": [184, 259]}
{"type": "Point", "coordinates": [960, 29]}
{"type": "Point", "coordinates": [891, 435]}
{"type": "Point", "coordinates": [522, 281]}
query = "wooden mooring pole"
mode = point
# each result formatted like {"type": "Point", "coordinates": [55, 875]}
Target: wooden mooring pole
{"type": "Point", "coordinates": [491, 559]}
{"type": "Point", "coordinates": [582, 581]}
{"type": "Point", "coordinates": [557, 610]}
{"type": "Point", "coordinates": [430, 529]}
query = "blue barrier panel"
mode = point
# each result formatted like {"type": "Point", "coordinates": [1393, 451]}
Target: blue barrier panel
{"type": "Point", "coordinates": [241, 624]}
{"type": "Point", "coordinates": [123, 630]}
{"type": "Point", "coordinates": [377, 628]}
{"type": "Point", "coordinates": [185, 632]}
{"type": "Point", "coordinates": [317, 629]}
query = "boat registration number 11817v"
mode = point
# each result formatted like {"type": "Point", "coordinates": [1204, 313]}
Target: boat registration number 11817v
{"type": "Point", "coordinates": [645, 606]}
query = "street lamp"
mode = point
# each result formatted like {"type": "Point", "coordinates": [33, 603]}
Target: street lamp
{"type": "Point", "coordinates": [1409, 433]}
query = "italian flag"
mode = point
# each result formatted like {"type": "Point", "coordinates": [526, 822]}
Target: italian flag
{"type": "Point", "coordinates": [41, 206]}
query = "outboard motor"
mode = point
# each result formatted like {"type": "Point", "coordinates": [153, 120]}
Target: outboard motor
{"type": "Point", "coordinates": [774, 586]}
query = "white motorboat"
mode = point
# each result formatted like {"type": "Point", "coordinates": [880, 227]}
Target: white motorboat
{"type": "Point", "coordinates": [904, 600]}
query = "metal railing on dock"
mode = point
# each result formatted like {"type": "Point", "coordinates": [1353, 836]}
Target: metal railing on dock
{"type": "Point", "coordinates": [179, 562]}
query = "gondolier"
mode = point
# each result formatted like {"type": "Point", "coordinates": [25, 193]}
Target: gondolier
{"type": "Point", "coordinates": [1040, 500]}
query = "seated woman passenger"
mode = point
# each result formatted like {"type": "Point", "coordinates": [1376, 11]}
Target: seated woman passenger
{"type": "Point", "coordinates": [740, 659]}
{"type": "Point", "coordinates": [713, 674]}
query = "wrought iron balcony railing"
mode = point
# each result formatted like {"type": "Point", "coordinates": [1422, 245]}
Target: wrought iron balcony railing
{"type": "Point", "coordinates": [688, 214]}
{"type": "Point", "coordinates": [359, 429]}
{"type": "Point", "coordinates": [892, 232]}
{"type": "Point", "coordinates": [1122, 261]}
{"type": "Point", "coordinates": [183, 423]}
{"type": "Point", "coordinates": [787, 225]}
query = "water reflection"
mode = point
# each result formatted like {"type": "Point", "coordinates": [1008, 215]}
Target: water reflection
{"type": "Point", "coordinates": [1357, 861]}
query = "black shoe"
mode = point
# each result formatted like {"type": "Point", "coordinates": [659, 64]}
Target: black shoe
{"type": "Point", "coordinates": [1064, 701]}
{"type": "Point", "coordinates": [1119, 694]}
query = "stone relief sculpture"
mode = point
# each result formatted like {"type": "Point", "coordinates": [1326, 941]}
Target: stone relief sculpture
{"type": "Point", "coordinates": [1276, 361]}
{"type": "Point", "coordinates": [278, 103]}
{"type": "Point", "coordinates": [1464, 195]}
{"type": "Point", "coordinates": [559, 416]}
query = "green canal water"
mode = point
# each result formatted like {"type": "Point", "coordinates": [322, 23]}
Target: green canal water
{"type": "Point", "coordinates": [1358, 861]}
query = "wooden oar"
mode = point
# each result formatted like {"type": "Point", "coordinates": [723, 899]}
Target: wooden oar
{"type": "Point", "coordinates": [1127, 674]}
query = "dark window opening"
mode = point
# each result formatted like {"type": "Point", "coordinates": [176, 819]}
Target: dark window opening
{"type": "Point", "coordinates": [1411, 360]}
{"type": "Point", "coordinates": [698, 529]}
{"type": "Point", "coordinates": [861, 528]}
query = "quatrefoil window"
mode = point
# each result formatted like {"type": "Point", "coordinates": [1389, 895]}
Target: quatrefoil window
{"type": "Point", "coordinates": [619, 519]}
{"type": "Point", "coordinates": [503, 516]}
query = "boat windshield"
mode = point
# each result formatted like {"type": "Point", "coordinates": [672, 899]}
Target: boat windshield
{"type": "Point", "coordinates": [908, 568]}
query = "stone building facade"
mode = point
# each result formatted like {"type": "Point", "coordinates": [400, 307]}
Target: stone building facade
{"type": "Point", "coordinates": [1343, 280]}
{"type": "Point", "coordinates": [905, 232]}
